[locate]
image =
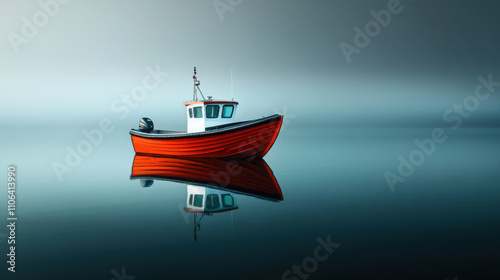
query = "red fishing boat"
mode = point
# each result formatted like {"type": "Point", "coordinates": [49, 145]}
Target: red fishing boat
{"type": "Point", "coordinates": [211, 132]}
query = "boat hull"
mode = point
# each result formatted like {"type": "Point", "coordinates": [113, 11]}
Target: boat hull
{"type": "Point", "coordinates": [251, 178]}
{"type": "Point", "coordinates": [242, 140]}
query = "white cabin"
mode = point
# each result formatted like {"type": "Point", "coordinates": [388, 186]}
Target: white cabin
{"type": "Point", "coordinates": [207, 112]}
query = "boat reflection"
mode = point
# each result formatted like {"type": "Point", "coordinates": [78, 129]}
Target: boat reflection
{"type": "Point", "coordinates": [211, 183]}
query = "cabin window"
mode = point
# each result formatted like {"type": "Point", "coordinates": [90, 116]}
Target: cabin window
{"type": "Point", "coordinates": [213, 201]}
{"type": "Point", "coordinates": [191, 200]}
{"type": "Point", "coordinates": [227, 200]}
{"type": "Point", "coordinates": [190, 112]}
{"type": "Point", "coordinates": [198, 200]}
{"type": "Point", "coordinates": [197, 111]}
{"type": "Point", "coordinates": [227, 111]}
{"type": "Point", "coordinates": [212, 111]}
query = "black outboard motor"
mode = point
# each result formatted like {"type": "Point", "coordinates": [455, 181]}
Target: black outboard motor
{"type": "Point", "coordinates": [146, 183]}
{"type": "Point", "coordinates": [146, 125]}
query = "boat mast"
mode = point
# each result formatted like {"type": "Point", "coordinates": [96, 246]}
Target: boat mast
{"type": "Point", "coordinates": [196, 87]}
{"type": "Point", "coordinates": [196, 226]}
{"type": "Point", "coordinates": [196, 83]}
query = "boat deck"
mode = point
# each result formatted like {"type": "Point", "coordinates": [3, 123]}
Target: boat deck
{"type": "Point", "coordinates": [209, 130]}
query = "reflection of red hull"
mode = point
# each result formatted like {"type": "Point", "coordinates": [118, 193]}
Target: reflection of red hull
{"type": "Point", "coordinates": [253, 177]}
{"type": "Point", "coordinates": [239, 140]}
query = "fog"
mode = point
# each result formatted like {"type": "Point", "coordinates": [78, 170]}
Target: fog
{"type": "Point", "coordinates": [285, 57]}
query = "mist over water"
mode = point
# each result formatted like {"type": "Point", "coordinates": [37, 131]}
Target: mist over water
{"type": "Point", "coordinates": [347, 125]}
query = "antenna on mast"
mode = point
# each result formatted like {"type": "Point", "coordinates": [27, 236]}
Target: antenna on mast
{"type": "Point", "coordinates": [232, 95]}
{"type": "Point", "coordinates": [196, 87]}
{"type": "Point", "coordinates": [196, 83]}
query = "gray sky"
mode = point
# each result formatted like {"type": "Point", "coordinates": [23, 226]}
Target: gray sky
{"type": "Point", "coordinates": [285, 56]}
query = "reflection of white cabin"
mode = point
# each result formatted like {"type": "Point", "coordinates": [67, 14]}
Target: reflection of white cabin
{"type": "Point", "coordinates": [207, 200]}
{"type": "Point", "coordinates": [207, 113]}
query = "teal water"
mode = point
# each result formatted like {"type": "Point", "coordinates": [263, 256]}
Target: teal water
{"type": "Point", "coordinates": [442, 222]}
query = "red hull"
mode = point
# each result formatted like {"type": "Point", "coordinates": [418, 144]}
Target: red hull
{"type": "Point", "coordinates": [254, 139]}
{"type": "Point", "coordinates": [253, 177]}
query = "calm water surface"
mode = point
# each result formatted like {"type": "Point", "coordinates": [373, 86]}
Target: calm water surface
{"type": "Point", "coordinates": [98, 223]}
